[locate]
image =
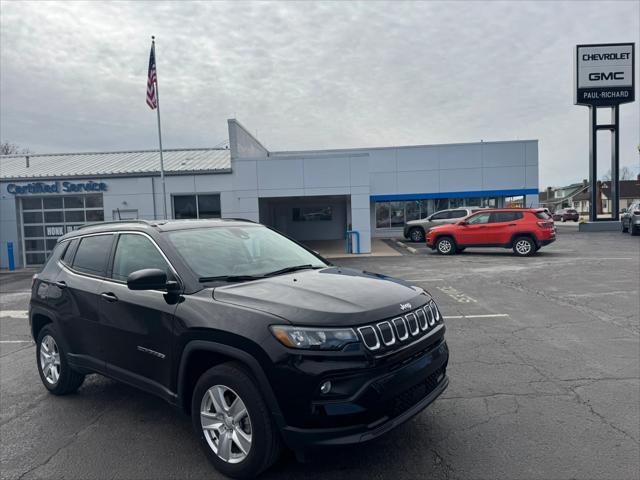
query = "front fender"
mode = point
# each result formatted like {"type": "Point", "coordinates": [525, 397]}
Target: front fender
{"type": "Point", "coordinates": [237, 354]}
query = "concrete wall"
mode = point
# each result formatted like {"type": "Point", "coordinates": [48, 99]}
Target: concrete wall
{"type": "Point", "coordinates": [473, 167]}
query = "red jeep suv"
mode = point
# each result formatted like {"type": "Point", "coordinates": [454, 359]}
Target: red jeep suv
{"type": "Point", "coordinates": [524, 229]}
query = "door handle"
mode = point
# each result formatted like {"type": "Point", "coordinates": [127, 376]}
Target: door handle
{"type": "Point", "coordinates": [109, 297]}
{"type": "Point", "coordinates": [61, 284]}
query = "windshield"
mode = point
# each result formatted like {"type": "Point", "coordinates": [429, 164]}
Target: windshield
{"type": "Point", "coordinates": [247, 251]}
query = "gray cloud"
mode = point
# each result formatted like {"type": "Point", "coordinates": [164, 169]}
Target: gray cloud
{"type": "Point", "coordinates": [308, 75]}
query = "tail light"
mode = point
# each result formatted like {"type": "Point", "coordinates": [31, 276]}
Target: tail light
{"type": "Point", "coordinates": [33, 280]}
{"type": "Point", "coordinates": [545, 224]}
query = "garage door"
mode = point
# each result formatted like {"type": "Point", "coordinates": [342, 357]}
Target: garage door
{"type": "Point", "coordinates": [44, 219]}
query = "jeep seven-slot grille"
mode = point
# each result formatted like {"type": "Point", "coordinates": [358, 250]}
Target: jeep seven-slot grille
{"type": "Point", "coordinates": [403, 329]}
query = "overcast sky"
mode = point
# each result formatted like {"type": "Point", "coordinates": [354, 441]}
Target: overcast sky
{"type": "Point", "coordinates": [307, 75]}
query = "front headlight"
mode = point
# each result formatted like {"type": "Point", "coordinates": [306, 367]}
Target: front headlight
{"type": "Point", "coordinates": [312, 338]}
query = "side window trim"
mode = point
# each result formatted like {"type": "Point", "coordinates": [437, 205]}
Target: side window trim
{"type": "Point", "coordinates": [78, 272]}
{"type": "Point", "coordinates": [112, 256]}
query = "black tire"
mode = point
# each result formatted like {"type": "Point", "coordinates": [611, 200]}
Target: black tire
{"type": "Point", "coordinates": [445, 246]}
{"type": "Point", "coordinates": [524, 246]}
{"type": "Point", "coordinates": [68, 380]}
{"type": "Point", "coordinates": [265, 447]}
{"type": "Point", "coordinates": [416, 235]}
{"type": "Point", "coordinates": [634, 230]}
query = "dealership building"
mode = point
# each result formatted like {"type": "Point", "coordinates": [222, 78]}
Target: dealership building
{"type": "Point", "coordinates": [309, 195]}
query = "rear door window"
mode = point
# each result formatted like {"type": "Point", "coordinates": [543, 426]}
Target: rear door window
{"type": "Point", "coordinates": [68, 253]}
{"type": "Point", "coordinates": [91, 256]}
{"type": "Point", "coordinates": [49, 268]}
{"type": "Point", "coordinates": [543, 215]}
{"type": "Point", "coordinates": [501, 217]}
{"type": "Point", "coordinates": [458, 214]}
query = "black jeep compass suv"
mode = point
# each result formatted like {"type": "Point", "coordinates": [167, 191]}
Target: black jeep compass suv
{"type": "Point", "coordinates": [262, 341]}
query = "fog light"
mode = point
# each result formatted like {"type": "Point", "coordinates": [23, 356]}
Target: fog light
{"type": "Point", "coordinates": [325, 388]}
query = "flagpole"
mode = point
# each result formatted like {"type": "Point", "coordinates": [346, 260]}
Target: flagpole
{"type": "Point", "coordinates": [164, 188]}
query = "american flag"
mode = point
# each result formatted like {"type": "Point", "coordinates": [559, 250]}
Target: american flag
{"type": "Point", "coordinates": [152, 97]}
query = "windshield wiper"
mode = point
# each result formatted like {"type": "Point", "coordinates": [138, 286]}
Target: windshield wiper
{"type": "Point", "coordinates": [291, 269]}
{"type": "Point", "coordinates": [229, 278]}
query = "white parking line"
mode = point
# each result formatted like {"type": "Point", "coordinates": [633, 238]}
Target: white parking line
{"type": "Point", "coordinates": [492, 315]}
{"type": "Point", "coordinates": [16, 341]}
{"type": "Point", "coordinates": [14, 313]}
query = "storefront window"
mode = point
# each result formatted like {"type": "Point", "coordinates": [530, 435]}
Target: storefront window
{"type": "Point", "coordinates": [397, 214]}
{"type": "Point", "coordinates": [514, 202]}
{"type": "Point", "coordinates": [196, 206]}
{"type": "Point", "coordinates": [382, 215]}
{"type": "Point", "coordinates": [441, 204]}
{"type": "Point", "coordinates": [473, 202]}
{"type": "Point", "coordinates": [491, 202]}
{"type": "Point", "coordinates": [456, 202]}
{"type": "Point", "coordinates": [184, 206]}
{"type": "Point", "coordinates": [208, 206]}
{"type": "Point", "coordinates": [412, 210]}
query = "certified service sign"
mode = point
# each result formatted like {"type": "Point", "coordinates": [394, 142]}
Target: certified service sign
{"type": "Point", "coordinates": [604, 74]}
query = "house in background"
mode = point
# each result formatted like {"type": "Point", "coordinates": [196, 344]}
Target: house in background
{"type": "Point", "coordinates": [629, 193]}
{"type": "Point", "coordinates": [562, 197]}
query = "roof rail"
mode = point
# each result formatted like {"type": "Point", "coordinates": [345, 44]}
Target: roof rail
{"type": "Point", "coordinates": [238, 219]}
{"type": "Point", "coordinates": [115, 222]}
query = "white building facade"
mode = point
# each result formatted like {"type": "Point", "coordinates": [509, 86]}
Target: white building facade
{"type": "Point", "coordinates": [308, 195]}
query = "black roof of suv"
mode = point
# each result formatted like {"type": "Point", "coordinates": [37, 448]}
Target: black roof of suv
{"type": "Point", "coordinates": [261, 340]}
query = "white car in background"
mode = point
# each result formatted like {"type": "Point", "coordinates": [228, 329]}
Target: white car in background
{"type": "Point", "coordinates": [415, 230]}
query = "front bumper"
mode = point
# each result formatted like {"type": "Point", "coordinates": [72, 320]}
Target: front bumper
{"type": "Point", "coordinates": [382, 403]}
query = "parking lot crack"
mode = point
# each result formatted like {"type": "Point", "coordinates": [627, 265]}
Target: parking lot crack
{"type": "Point", "coordinates": [72, 439]}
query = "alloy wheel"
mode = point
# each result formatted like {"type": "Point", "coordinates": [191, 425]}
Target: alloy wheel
{"type": "Point", "coordinates": [226, 424]}
{"type": "Point", "coordinates": [416, 235]}
{"type": "Point", "coordinates": [50, 359]}
{"type": "Point", "coordinates": [444, 246]}
{"type": "Point", "coordinates": [523, 247]}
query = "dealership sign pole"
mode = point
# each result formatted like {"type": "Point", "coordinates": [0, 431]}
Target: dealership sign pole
{"type": "Point", "coordinates": [604, 77]}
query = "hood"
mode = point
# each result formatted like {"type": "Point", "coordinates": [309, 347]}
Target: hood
{"type": "Point", "coordinates": [328, 297]}
{"type": "Point", "coordinates": [417, 222]}
{"type": "Point", "coordinates": [444, 226]}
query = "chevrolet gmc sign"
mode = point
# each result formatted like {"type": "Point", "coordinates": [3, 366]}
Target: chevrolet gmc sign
{"type": "Point", "coordinates": [604, 74]}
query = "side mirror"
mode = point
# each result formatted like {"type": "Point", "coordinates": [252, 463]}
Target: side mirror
{"type": "Point", "coordinates": [463, 223]}
{"type": "Point", "coordinates": [149, 279]}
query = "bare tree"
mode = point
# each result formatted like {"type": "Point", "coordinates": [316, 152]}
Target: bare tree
{"type": "Point", "coordinates": [626, 173]}
{"type": "Point", "coordinates": [8, 148]}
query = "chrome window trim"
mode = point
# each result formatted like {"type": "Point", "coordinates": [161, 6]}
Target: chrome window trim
{"type": "Point", "coordinates": [393, 337]}
{"type": "Point", "coordinates": [406, 328]}
{"type": "Point", "coordinates": [377, 345]}
{"type": "Point", "coordinates": [109, 279]}
{"type": "Point", "coordinates": [415, 319]}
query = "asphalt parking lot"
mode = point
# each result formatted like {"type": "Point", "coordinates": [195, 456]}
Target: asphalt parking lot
{"type": "Point", "coordinates": [544, 370]}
